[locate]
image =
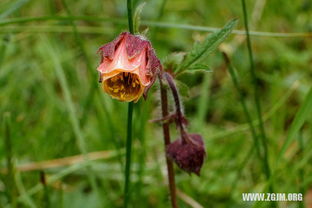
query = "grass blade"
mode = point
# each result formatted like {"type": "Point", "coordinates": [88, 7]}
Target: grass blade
{"type": "Point", "coordinates": [10, 182]}
{"type": "Point", "coordinates": [303, 113]}
{"type": "Point", "coordinates": [15, 6]}
{"type": "Point", "coordinates": [252, 70]}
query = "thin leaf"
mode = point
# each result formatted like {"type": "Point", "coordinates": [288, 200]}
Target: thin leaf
{"type": "Point", "coordinates": [303, 113]}
{"type": "Point", "coordinates": [207, 46]}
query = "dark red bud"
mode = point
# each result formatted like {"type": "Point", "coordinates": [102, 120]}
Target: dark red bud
{"type": "Point", "coordinates": [188, 154]}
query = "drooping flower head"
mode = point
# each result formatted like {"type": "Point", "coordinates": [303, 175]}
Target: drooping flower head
{"type": "Point", "coordinates": [188, 153]}
{"type": "Point", "coordinates": [128, 67]}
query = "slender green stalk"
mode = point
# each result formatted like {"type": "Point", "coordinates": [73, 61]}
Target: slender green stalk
{"type": "Point", "coordinates": [130, 17]}
{"type": "Point", "coordinates": [10, 184]}
{"type": "Point", "coordinates": [256, 98]}
{"type": "Point", "coordinates": [129, 126]}
{"type": "Point", "coordinates": [128, 155]}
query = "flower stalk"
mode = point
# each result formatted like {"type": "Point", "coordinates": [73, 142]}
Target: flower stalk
{"type": "Point", "coordinates": [166, 132]}
{"type": "Point", "coordinates": [129, 126]}
{"type": "Point", "coordinates": [179, 118]}
{"type": "Point", "coordinates": [130, 16]}
{"type": "Point", "coordinates": [128, 155]}
{"type": "Point", "coordinates": [188, 151]}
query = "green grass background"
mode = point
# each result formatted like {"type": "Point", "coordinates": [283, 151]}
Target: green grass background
{"type": "Point", "coordinates": [49, 87]}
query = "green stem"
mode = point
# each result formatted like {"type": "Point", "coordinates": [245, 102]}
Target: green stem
{"type": "Point", "coordinates": [129, 126]}
{"type": "Point", "coordinates": [256, 98]}
{"type": "Point", "coordinates": [128, 155]}
{"type": "Point", "coordinates": [130, 17]}
{"type": "Point", "coordinates": [10, 182]}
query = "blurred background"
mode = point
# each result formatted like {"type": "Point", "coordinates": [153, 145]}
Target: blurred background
{"type": "Point", "coordinates": [53, 111]}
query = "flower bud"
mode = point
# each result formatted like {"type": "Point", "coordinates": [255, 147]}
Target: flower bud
{"type": "Point", "coordinates": [128, 67]}
{"type": "Point", "coordinates": [188, 153]}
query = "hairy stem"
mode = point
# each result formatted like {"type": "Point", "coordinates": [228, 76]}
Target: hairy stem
{"type": "Point", "coordinates": [180, 120]}
{"type": "Point", "coordinates": [166, 132]}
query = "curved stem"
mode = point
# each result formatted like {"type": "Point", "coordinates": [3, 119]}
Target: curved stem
{"type": "Point", "coordinates": [180, 120]}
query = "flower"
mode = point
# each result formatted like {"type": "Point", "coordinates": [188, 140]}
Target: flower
{"type": "Point", "coordinates": [128, 67]}
{"type": "Point", "coordinates": [188, 153]}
